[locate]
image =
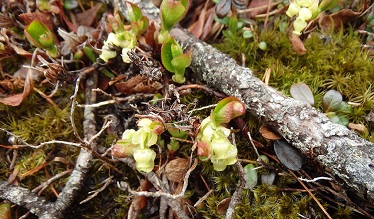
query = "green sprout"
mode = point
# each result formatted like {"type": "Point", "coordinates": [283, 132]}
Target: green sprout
{"type": "Point", "coordinates": [174, 60]}
{"type": "Point", "coordinates": [40, 36]}
{"type": "Point", "coordinates": [172, 11]}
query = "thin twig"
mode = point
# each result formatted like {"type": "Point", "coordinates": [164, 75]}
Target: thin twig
{"type": "Point", "coordinates": [96, 192]}
{"type": "Point", "coordinates": [230, 213]}
{"type": "Point", "coordinates": [72, 109]}
{"type": "Point", "coordinates": [44, 185]}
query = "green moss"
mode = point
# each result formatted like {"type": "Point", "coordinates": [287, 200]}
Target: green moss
{"type": "Point", "coordinates": [335, 62]}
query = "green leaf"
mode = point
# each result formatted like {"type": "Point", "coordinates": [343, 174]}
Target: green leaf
{"type": "Point", "coordinates": [39, 35]}
{"type": "Point", "coordinates": [340, 119]}
{"type": "Point", "coordinates": [327, 4]}
{"type": "Point", "coordinates": [181, 62]}
{"type": "Point", "coordinates": [233, 24]}
{"type": "Point", "coordinates": [139, 23]}
{"type": "Point", "coordinates": [250, 176]}
{"type": "Point", "coordinates": [172, 11]}
{"type": "Point", "coordinates": [302, 92]}
{"type": "Point", "coordinates": [332, 101]}
{"type": "Point", "coordinates": [166, 54]}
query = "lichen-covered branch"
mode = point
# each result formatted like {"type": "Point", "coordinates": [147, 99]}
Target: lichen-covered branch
{"type": "Point", "coordinates": [23, 197]}
{"type": "Point", "coordinates": [343, 153]}
{"type": "Point", "coordinates": [84, 160]}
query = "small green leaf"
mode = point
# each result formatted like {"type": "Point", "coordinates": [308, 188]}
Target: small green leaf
{"type": "Point", "coordinates": [181, 62]}
{"type": "Point", "coordinates": [166, 54]}
{"type": "Point", "coordinates": [332, 100]}
{"type": "Point", "coordinates": [327, 4]}
{"type": "Point", "coordinates": [139, 23]}
{"type": "Point", "coordinates": [339, 119]}
{"type": "Point", "coordinates": [302, 92]}
{"type": "Point", "coordinates": [233, 25]}
{"type": "Point", "coordinates": [39, 35]}
{"type": "Point", "coordinates": [172, 11]}
{"type": "Point", "coordinates": [250, 176]}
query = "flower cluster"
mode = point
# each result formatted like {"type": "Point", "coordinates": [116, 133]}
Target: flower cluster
{"type": "Point", "coordinates": [138, 143]}
{"type": "Point", "coordinates": [214, 144]}
{"type": "Point", "coordinates": [212, 139]}
{"type": "Point", "coordinates": [125, 39]}
{"type": "Point", "coordinates": [305, 10]}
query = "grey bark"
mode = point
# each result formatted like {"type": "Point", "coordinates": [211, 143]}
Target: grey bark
{"type": "Point", "coordinates": [342, 152]}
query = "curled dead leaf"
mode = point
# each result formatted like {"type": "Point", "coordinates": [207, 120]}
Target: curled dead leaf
{"type": "Point", "coordinates": [358, 127]}
{"type": "Point", "coordinates": [176, 169]}
{"type": "Point", "coordinates": [336, 20]}
{"type": "Point", "coordinates": [297, 44]}
{"type": "Point", "coordinates": [223, 206]}
{"type": "Point", "coordinates": [268, 134]}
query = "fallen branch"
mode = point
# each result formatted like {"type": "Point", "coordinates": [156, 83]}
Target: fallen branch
{"type": "Point", "coordinates": [342, 152]}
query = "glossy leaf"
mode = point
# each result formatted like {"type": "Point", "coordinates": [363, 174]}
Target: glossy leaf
{"type": "Point", "coordinates": [288, 155]}
{"type": "Point", "coordinates": [332, 101]}
{"type": "Point", "coordinates": [302, 92]}
{"type": "Point", "coordinates": [227, 109]}
{"type": "Point", "coordinates": [250, 176]}
{"type": "Point", "coordinates": [172, 11]}
{"type": "Point", "coordinates": [268, 178]}
{"type": "Point", "coordinates": [39, 35]}
{"type": "Point", "coordinates": [222, 8]}
{"type": "Point", "coordinates": [167, 55]}
{"type": "Point", "coordinates": [139, 23]}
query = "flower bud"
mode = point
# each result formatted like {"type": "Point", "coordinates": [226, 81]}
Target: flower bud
{"type": "Point", "coordinates": [293, 9]}
{"type": "Point", "coordinates": [299, 26]}
{"type": "Point", "coordinates": [144, 160]}
{"type": "Point", "coordinates": [218, 164]}
{"type": "Point", "coordinates": [221, 147]}
{"type": "Point", "coordinates": [305, 13]}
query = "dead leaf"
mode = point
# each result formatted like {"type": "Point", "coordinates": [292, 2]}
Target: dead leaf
{"type": "Point", "coordinates": [223, 206]}
{"type": "Point", "coordinates": [302, 92]}
{"type": "Point", "coordinates": [336, 20]}
{"type": "Point", "coordinates": [71, 41]}
{"type": "Point", "coordinates": [268, 134]}
{"type": "Point", "coordinates": [86, 18]}
{"type": "Point", "coordinates": [197, 28]}
{"type": "Point", "coordinates": [138, 84]}
{"type": "Point", "coordinates": [16, 99]}
{"type": "Point", "coordinates": [176, 169]}
{"type": "Point", "coordinates": [358, 127]}
{"type": "Point", "coordinates": [297, 44]}
{"type": "Point", "coordinates": [259, 4]}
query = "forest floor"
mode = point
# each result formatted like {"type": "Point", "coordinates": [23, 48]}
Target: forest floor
{"type": "Point", "coordinates": [104, 115]}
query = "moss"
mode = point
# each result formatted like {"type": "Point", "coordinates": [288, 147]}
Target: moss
{"type": "Point", "coordinates": [336, 61]}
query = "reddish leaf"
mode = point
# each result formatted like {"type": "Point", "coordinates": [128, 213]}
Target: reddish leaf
{"type": "Point", "coordinates": [297, 45]}
{"type": "Point", "coordinates": [336, 20]}
{"type": "Point", "coordinates": [86, 18]}
{"type": "Point", "coordinates": [268, 134]}
{"type": "Point", "coordinates": [16, 99]}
